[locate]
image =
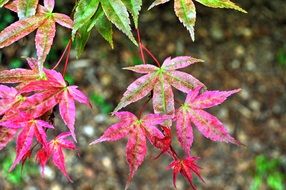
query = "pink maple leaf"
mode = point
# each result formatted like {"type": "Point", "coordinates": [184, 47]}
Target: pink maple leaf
{"type": "Point", "coordinates": [51, 92]}
{"type": "Point", "coordinates": [20, 75]}
{"type": "Point", "coordinates": [24, 141]}
{"type": "Point", "coordinates": [55, 152]}
{"type": "Point", "coordinates": [185, 167]}
{"type": "Point", "coordinates": [8, 97]}
{"type": "Point", "coordinates": [160, 80]}
{"type": "Point", "coordinates": [192, 112]}
{"type": "Point", "coordinates": [136, 130]}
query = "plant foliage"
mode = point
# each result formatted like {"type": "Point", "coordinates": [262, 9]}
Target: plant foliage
{"type": "Point", "coordinates": [29, 97]}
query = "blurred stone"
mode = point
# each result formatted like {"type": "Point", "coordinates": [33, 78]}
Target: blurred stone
{"type": "Point", "coordinates": [106, 162]}
{"type": "Point", "coordinates": [250, 65]}
{"type": "Point", "coordinates": [106, 79]}
{"type": "Point", "coordinates": [235, 64]}
{"type": "Point", "coordinates": [88, 130]}
{"type": "Point", "coordinates": [216, 32]}
{"type": "Point", "coordinates": [244, 94]}
{"type": "Point", "coordinates": [30, 188]}
{"type": "Point", "coordinates": [223, 113]}
{"type": "Point", "coordinates": [242, 137]}
{"type": "Point", "coordinates": [245, 32]}
{"type": "Point", "coordinates": [273, 124]}
{"type": "Point", "coordinates": [255, 105]}
{"type": "Point", "coordinates": [56, 187]}
{"type": "Point", "coordinates": [100, 118]}
{"type": "Point", "coordinates": [277, 109]}
{"type": "Point", "coordinates": [49, 173]}
{"type": "Point", "coordinates": [239, 51]}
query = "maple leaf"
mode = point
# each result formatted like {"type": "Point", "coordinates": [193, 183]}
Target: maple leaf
{"type": "Point", "coordinates": [26, 8]}
{"type": "Point", "coordinates": [185, 167]}
{"type": "Point", "coordinates": [55, 152]}
{"type": "Point", "coordinates": [30, 128]}
{"type": "Point", "coordinates": [136, 130]}
{"type": "Point", "coordinates": [162, 143]}
{"type": "Point", "coordinates": [8, 96]}
{"type": "Point", "coordinates": [20, 75]}
{"type": "Point", "coordinates": [44, 20]}
{"type": "Point", "coordinates": [192, 112]}
{"type": "Point", "coordinates": [51, 92]}
{"type": "Point", "coordinates": [160, 81]}
{"type": "Point", "coordinates": [186, 11]}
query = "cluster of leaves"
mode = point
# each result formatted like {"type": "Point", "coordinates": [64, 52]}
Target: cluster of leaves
{"type": "Point", "coordinates": [28, 97]}
{"type": "Point", "coordinates": [157, 127]}
{"type": "Point", "coordinates": [101, 14]}
{"type": "Point", "coordinates": [186, 11]}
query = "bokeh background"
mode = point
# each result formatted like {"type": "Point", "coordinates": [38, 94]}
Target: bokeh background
{"type": "Point", "coordinates": [245, 51]}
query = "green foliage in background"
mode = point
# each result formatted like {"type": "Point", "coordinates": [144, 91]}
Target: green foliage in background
{"type": "Point", "coordinates": [69, 78]}
{"type": "Point", "coordinates": [268, 172]}
{"type": "Point", "coordinates": [101, 103]}
{"type": "Point", "coordinates": [6, 18]}
{"type": "Point", "coordinates": [15, 63]}
{"type": "Point", "coordinates": [17, 176]}
{"type": "Point", "coordinates": [281, 57]}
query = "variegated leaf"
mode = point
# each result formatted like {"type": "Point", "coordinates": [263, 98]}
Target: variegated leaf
{"type": "Point", "coordinates": [221, 4]}
{"type": "Point", "coordinates": [49, 4]}
{"type": "Point", "coordinates": [182, 81]}
{"type": "Point", "coordinates": [137, 90]}
{"type": "Point", "coordinates": [135, 152]}
{"type": "Point", "coordinates": [184, 130]}
{"type": "Point", "coordinates": [157, 2]}
{"type": "Point", "coordinates": [179, 62]}
{"type": "Point", "coordinates": [20, 29]}
{"type": "Point", "coordinates": [44, 39]}
{"type": "Point", "coordinates": [63, 20]}
{"type": "Point", "coordinates": [163, 97]}
{"type": "Point", "coordinates": [27, 8]}
{"type": "Point", "coordinates": [186, 12]}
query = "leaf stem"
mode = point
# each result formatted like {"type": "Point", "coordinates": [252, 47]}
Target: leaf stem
{"type": "Point", "coordinates": [63, 54]}
{"type": "Point", "coordinates": [173, 153]}
{"type": "Point", "coordinates": [151, 55]}
{"type": "Point", "coordinates": [140, 47]}
{"type": "Point", "coordinates": [143, 107]}
{"type": "Point", "coordinates": [67, 60]}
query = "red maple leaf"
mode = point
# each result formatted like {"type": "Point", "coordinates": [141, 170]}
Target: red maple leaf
{"type": "Point", "coordinates": [185, 167]}
{"type": "Point", "coordinates": [136, 130]}
{"type": "Point", "coordinates": [192, 112]}
{"type": "Point", "coordinates": [54, 151]}
{"type": "Point", "coordinates": [30, 128]}
{"type": "Point", "coordinates": [49, 93]}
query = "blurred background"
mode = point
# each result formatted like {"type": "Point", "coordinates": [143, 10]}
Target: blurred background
{"type": "Point", "coordinates": [245, 51]}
